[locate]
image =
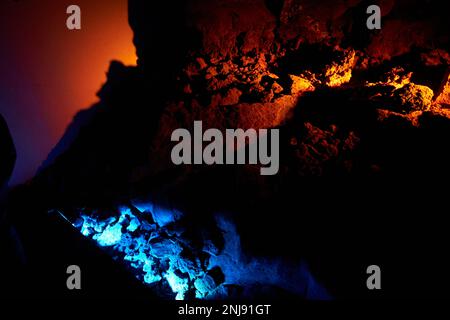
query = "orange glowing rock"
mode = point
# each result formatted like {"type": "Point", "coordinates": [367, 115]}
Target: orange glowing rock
{"type": "Point", "coordinates": [443, 97]}
{"type": "Point", "coordinates": [397, 78]}
{"type": "Point", "coordinates": [300, 85]}
{"type": "Point", "coordinates": [341, 73]}
{"type": "Point", "coordinates": [415, 97]}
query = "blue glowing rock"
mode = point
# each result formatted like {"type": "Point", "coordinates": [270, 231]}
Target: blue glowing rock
{"type": "Point", "coordinates": [151, 274]}
{"type": "Point", "coordinates": [179, 285]}
{"type": "Point", "coordinates": [147, 227]}
{"type": "Point", "coordinates": [151, 277]}
{"type": "Point", "coordinates": [160, 214]}
{"type": "Point", "coordinates": [187, 266]}
{"type": "Point", "coordinates": [165, 249]}
{"type": "Point", "coordinates": [165, 257]}
{"type": "Point", "coordinates": [134, 224]}
{"type": "Point", "coordinates": [204, 286]}
{"type": "Point", "coordinates": [163, 216]}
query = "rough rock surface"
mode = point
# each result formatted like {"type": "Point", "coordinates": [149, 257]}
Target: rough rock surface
{"type": "Point", "coordinates": [443, 95]}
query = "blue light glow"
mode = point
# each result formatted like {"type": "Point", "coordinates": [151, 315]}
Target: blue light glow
{"type": "Point", "coordinates": [110, 236]}
{"type": "Point", "coordinates": [161, 251]}
{"type": "Point", "coordinates": [178, 285]}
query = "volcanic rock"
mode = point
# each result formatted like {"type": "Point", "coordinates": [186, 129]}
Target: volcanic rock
{"type": "Point", "coordinates": [415, 97]}
{"type": "Point", "coordinates": [443, 95]}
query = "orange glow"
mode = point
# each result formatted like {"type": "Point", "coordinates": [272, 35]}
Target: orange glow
{"type": "Point", "coordinates": [53, 72]}
{"type": "Point", "coordinates": [396, 78]}
{"type": "Point", "coordinates": [69, 66]}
